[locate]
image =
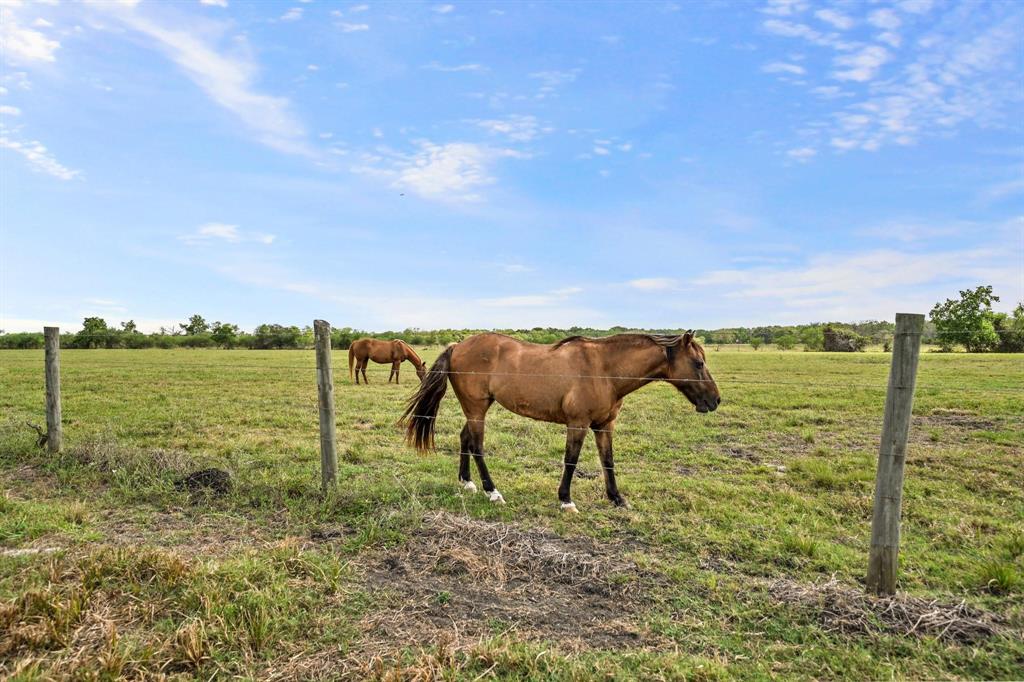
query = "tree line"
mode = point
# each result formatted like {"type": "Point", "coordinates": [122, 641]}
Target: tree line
{"type": "Point", "coordinates": [968, 321]}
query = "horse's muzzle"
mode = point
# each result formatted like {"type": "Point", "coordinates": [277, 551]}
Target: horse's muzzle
{"type": "Point", "coordinates": [709, 404]}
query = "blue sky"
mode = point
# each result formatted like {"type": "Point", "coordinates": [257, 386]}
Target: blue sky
{"type": "Point", "coordinates": [391, 165]}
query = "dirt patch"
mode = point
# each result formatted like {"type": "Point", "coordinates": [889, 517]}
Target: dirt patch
{"type": "Point", "coordinates": [461, 579]}
{"type": "Point", "coordinates": [849, 610]}
{"type": "Point", "coordinates": [958, 419]}
{"type": "Point", "coordinates": [737, 452]}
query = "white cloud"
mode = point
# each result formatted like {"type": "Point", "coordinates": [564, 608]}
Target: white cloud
{"type": "Point", "coordinates": [861, 66]}
{"type": "Point", "coordinates": [785, 8]}
{"type": "Point", "coordinates": [352, 28]}
{"type": "Point", "coordinates": [835, 18]}
{"type": "Point", "coordinates": [862, 285]}
{"type": "Point", "coordinates": [515, 267]}
{"type": "Point", "coordinates": [7, 110]}
{"type": "Point", "coordinates": [916, 6]}
{"type": "Point", "coordinates": [802, 153]}
{"type": "Point", "coordinates": [24, 45]}
{"type": "Point", "coordinates": [532, 300]}
{"type": "Point", "coordinates": [516, 127]}
{"type": "Point", "coordinates": [884, 19]}
{"type": "Point", "coordinates": [449, 173]}
{"type": "Point", "coordinates": [829, 92]}
{"type": "Point", "coordinates": [652, 283]}
{"type": "Point", "coordinates": [227, 78]}
{"type": "Point", "coordinates": [552, 80]}
{"type": "Point", "coordinates": [601, 151]}
{"type": "Point", "coordinates": [222, 232]}
{"type": "Point", "coordinates": [42, 23]}
{"type": "Point", "coordinates": [783, 67]}
{"type": "Point", "coordinates": [293, 14]}
{"type": "Point", "coordinates": [443, 9]}
{"type": "Point", "coordinates": [434, 66]}
{"type": "Point", "coordinates": [215, 3]}
{"type": "Point", "coordinates": [358, 8]}
{"type": "Point", "coordinates": [38, 157]}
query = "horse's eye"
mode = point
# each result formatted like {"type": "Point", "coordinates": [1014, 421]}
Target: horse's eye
{"type": "Point", "coordinates": [698, 364]}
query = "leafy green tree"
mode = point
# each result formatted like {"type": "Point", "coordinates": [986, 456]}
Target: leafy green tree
{"type": "Point", "coordinates": [968, 320]}
{"type": "Point", "coordinates": [129, 327]}
{"type": "Point", "coordinates": [813, 338]}
{"type": "Point", "coordinates": [195, 325]}
{"type": "Point", "coordinates": [224, 334]}
{"type": "Point", "coordinates": [786, 341]}
{"type": "Point", "coordinates": [95, 333]}
{"type": "Point", "coordinates": [1010, 330]}
{"type": "Point", "coordinates": [755, 342]}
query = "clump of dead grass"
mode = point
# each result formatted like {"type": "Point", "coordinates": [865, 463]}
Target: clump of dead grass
{"type": "Point", "coordinates": [848, 610]}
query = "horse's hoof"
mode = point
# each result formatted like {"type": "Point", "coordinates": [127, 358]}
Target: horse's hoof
{"type": "Point", "coordinates": [496, 497]}
{"type": "Point", "coordinates": [570, 507]}
{"type": "Point", "coordinates": [621, 503]}
{"type": "Point", "coordinates": [469, 486]}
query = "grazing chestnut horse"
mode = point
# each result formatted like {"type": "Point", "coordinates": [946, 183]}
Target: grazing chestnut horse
{"type": "Point", "coordinates": [579, 382]}
{"type": "Point", "coordinates": [385, 352]}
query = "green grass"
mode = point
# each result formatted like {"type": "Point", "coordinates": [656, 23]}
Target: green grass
{"type": "Point", "coordinates": [136, 577]}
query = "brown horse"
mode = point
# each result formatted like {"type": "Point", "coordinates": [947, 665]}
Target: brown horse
{"type": "Point", "coordinates": [385, 352]}
{"type": "Point", "coordinates": [579, 382]}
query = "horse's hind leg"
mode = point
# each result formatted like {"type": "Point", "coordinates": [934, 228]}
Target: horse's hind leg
{"type": "Point", "coordinates": [465, 445]}
{"type": "Point", "coordinates": [395, 366]}
{"type": "Point", "coordinates": [363, 368]}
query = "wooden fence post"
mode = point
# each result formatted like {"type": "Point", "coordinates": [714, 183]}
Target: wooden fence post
{"type": "Point", "coordinates": [53, 428]}
{"type": "Point", "coordinates": [892, 453]}
{"type": "Point", "coordinates": [325, 389]}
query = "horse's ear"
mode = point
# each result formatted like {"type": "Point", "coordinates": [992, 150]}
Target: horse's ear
{"type": "Point", "coordinates": [687, 338]}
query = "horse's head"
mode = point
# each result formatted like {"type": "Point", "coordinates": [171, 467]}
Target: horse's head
{"type": "Point", "coordinates": [688, 371]}
{"type": "Point", "coordinates": [421, 371]}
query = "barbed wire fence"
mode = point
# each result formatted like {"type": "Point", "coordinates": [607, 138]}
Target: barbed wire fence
{"type": "Point", "coordinates": [889, 478]}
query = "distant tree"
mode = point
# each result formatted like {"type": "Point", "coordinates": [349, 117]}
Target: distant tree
{"type": "Point", "coordinates": [224, 334]}
{"type": "Point", "coordinates": [94, 334]}
{"type": "Point", "coordinates": [129, 327]}
{"type": "Point", "coordinates": [1010, 329]}
{"type": "Point", "coordinates": [968, 320]}
{"type": "Point", "coordinates": [195, 325]}
{"type": "Point", "coordinates": [786, 341]}
{"type": "Point", "coordinates": [755, 342]}
{"type": "Point", "coordinates": [812, 338]}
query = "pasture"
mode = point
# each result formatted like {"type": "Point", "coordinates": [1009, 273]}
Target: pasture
{"type": "Point", "coordinates": [742, 556]}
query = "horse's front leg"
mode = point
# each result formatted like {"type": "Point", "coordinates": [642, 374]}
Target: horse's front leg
{"type": "Point", "coordinates": [365, 363]}
{"type": "Point", "coordinates": [398, 368]}
{"type": "Point", "coordinates": [573, 444]}
{"type": "Point", "coordinates": [603, 436]}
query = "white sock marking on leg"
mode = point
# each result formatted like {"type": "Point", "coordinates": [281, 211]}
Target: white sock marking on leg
{"type": "Point", "coordinates": [469, 486]}
{"type": "Point", "coordinates": [496, 497]}
{"type": "Point", "coordinates": [570, 507]}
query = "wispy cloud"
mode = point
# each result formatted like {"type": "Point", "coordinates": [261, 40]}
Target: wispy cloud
{"type": "Point", "coordinates": [37, 155]}
{"type": "Point", "coordinates": [783, 67]}
{"type": "Point", "coordinates": [293, 14]}
{"type": "Point", "coordinates": [228, 78]}
{"type": "Point", "coordinates": [653, 283]}
{"type": "Point", "coordinates": [532, 300]}
{"type": "Point", "coordinates": [215, 3]}
{"type": "Point", "coordinates": [211, 233]}
{"type": "Point", "coordinates": [517, 127]}
{"type": "Point", "coordinates": [836, 18]}
{"type": "Point", "coordinates": [8, 110]}
{"type": "Point", "coordinates": [347, 27]}
{"type": "Point", "coordinates": [453, 173]}
{"type": "Point", "coordinates": [443, 9]}
{"type": "Point", "coordinates": [22, 45]}
{"type": "Point", "coordinates": [456, 68]}
{"type": "Point", "coordinates": [862, 65]}
{"type": "Point", "coordinates": [802, 153]}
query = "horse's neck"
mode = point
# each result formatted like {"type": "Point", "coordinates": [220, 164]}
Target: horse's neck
{"type": "Point", "coordinates": [410, 354]}
{"type": "Point", "coordinates": [632, 368]}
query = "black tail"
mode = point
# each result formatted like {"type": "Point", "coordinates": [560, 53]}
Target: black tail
{"type": "Point", "coordinates": [421, 411]}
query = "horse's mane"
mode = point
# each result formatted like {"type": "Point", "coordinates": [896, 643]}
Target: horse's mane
{"type": "Point", "coordinates": [665, 340]}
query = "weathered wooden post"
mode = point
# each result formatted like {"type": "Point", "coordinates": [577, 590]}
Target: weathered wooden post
{"type": "Point", "coordinates": [53, 428]}
{"type": "Point", "coordinates": [892, 453]}
{"type": "Point", "coordinates": [325, 388]}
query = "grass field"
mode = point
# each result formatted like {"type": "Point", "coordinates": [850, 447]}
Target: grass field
{"type": "Point", "coordinates": [742, 556]}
